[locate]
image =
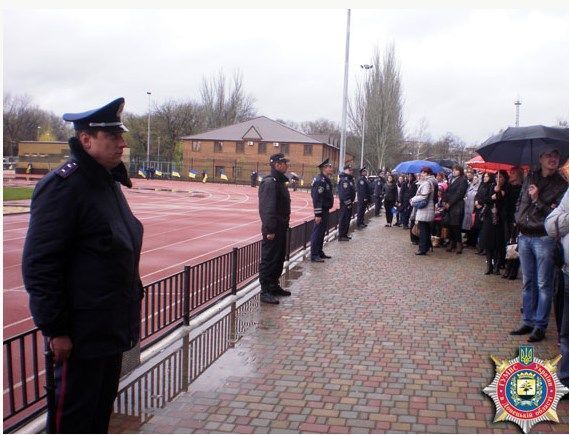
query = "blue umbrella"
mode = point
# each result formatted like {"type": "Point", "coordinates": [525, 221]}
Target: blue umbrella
{"type": "Point", "coordinates": [415, 166]}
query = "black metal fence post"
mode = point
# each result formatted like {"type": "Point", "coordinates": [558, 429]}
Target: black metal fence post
{"type": "Point", "coordinates": [288, 237]}
{"type": "Point", "coordinates": [234, 260]}
{"type": "Point", "coordinates": [305, 234]}
{"type": "Point", "coordinates": [186, 288]}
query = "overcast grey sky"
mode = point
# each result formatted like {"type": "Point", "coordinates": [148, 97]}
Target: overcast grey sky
{"type": "Point", "coordinates": [461, 69]}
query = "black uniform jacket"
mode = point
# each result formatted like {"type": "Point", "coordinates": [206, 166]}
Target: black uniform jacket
{"type": "Point", "coordinates": [322, 194]}
{"type": "Point", "coordinates": [274, 203]}
{"type": "Point", "coordinates": [364, 190]}
{"type": "Point", "coordinates": [81, 255]}
{"type": "Point", "coordinates": [346, 189]}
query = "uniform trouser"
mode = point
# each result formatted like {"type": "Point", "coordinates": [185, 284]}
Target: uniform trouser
{"type": "Point", "coordinates": [317, 239]}
{"type": "Point", "coordinates": [377, 202]}
{"type": "Point", "coordinates": [344, 220]}
{"type": "Point", "coordinates": [85, 389]}
{"type": "Point", "coordinates": [273, 254]}
{"type": "Point", "coordinates": [361, 212]}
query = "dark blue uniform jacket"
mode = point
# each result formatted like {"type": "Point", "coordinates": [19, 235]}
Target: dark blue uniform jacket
{"type": "Point", "coordinates": [81, 256]}
{"type": "Point", "coordinates": [364, 190]}
{"type": "Point", "coordinates": [346, 189]}
{"type": "Point", "coordinates": [322, 194]}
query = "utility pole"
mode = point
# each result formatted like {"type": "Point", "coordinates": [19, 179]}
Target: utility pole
{"type": "Point", "coordinates": [517, 103]}
{"type": "Point", "coordinates": [345, 98]}
{"type": "Point", "coordinates": [148, 140]}
{"type": "Point", "coordinates": [366, 68]}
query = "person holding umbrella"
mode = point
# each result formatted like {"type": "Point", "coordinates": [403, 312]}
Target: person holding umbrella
{"type": "Point", "coordinates": [541, 192]}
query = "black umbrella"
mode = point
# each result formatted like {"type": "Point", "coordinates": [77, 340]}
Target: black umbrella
{"type": "Point", "coordinates": [522, 145]}
{"type": "Point", "coordinates": [447, 163]}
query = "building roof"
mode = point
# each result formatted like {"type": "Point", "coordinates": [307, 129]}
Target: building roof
{"type": "Point", "coordinates": [328, 138]}
{"type": "Point", "coordinates": [256, 129]}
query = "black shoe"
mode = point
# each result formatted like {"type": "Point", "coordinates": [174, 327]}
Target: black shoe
{"type": "Point", "coordinates": [523, 330]}
{"type": "Point", "coordinates": [316, 260]}
{"type": "Point", "coordinates": [536, 335]}
{"type": "Point", "coordinates": [323, 255]}
{"type": "Point", "coordinates": [405, 227]}
{"type": "Point", "coordinates": [279, 291]}
{"type": "Point", "coordinates": [269, 299]}
{"type": "Point", "coordinates": [420, 253]}
{"type": "Point", "coordinates": [349, 237]}
{"type": "Point", "coordinates": [343, 239]}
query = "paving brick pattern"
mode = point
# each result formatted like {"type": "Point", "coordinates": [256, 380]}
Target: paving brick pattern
{"type": "Point", "coordinates": [374, 340]}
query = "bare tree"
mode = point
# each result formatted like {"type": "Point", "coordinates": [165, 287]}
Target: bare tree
{"type": "Point", "coordinates": [320, 126]}
{"type": "Point", "coordinates": [225, 104]}
{"type": "Point", "coordinates": [382, 98]}
{"type": "Point", "coordinates": [21, 121]}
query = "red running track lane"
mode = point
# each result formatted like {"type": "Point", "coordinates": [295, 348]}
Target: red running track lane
{"type": "Point", "coordinates": [180, 228]}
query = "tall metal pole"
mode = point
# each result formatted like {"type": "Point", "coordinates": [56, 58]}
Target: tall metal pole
{"type": "Point", "coordinates": [518, 103]}
{"type": "Point", "coordinates": [345, 100]}
{"type": "Point", "coordinates": [365, 67]}
{"type": "Point", "coordinates": [148, 140]}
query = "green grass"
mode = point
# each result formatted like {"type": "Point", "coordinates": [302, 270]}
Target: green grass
{"type": "Point", "coordinates": [11, 193]}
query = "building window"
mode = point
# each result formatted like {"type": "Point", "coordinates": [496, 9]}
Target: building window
{"type": "Point", "coordinates": [262, 148]}
{"type": "Point", "coordinates": [308, 149]}
{"type": "Point", "coordinates": [285, 148]}
{"type": "Point", "coordinates": [217, 147]}
{"type": "Point", "coordinates": [240, 147]}
{"type": "Point", "coordinates": [250, 143]}
{"type": "Point", "coordinates": [196, 146]}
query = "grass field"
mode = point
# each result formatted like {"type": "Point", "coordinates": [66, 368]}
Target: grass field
{"type": "Point", "coordinates": [11, 193]}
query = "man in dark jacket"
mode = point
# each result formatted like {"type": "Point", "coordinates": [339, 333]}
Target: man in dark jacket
{"type": "Point", "coordinates": [346, 195]}
{"type": "Point", "coordinates": [364, 197]}
{"type": "Point", "coordinates": [274, 209]}
{"type": "Point", "coordinates": [323, 200]}
{"type": "Point", "coordinates": [454, 206]}
{"type": "Point", "coordinates": [80, 268]}
{"type": "Point", "coordinates": [541, 192]}
{"type": "Point", "coordinates": [378, 193]}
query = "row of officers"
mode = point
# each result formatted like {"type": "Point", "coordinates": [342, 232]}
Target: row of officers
{"type": "Point", "coordinates": [274, 210]}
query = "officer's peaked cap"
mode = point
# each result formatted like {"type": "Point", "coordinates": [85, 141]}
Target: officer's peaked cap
{"type": "Point", "coordinates": [348, 166]}
{"type": "Point", "coordinates": [278, 158]}
{"type": "Point", "coordinates": [325, 163]}
{"type": "Point", "coordinates": [363, 169]}
{"type": "Point", "coordinates": [107, 117]}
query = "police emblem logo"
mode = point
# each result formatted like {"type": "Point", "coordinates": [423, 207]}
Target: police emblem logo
{"type": "Point", "coordinates": [362, 182]}
{"type": "Point", "coordinates": [345, 185]}
{"type": "Point", "coordinates": [526, 390]}
{"type": "Point", "coordinates": [320, 189]}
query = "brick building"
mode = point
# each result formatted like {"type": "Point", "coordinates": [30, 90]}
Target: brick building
{"type": "Point", "coordinates": [239, 149]}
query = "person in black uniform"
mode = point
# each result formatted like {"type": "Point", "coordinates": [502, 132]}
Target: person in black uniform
{"type": "Point", "coordinates": [364, 197]}
{"type": "Point", "coordinates": [378, 193]}
{"type": "Point", "coordinates": [274, 209]}
{"type": "Point", "coordinates": [346, 195]}
{"type": "Point", "coordinates": [254, 176]}
{"type": "Point", "coordinates": [323, 200]}
{"type": "Point", "coordinates": [80, 268]}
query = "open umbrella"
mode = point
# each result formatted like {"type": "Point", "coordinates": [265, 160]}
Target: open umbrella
{"type": "Point", "coordinates": [414, 167]}
{"type": "Point", "coordinates": [478, 162]}
{"type": "Point", "coordinates": [522, 145]}
{"type": "Point", "coordinates": [447, 163]}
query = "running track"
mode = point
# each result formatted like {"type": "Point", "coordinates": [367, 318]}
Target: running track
{"type": "Point", "coordinates": [180, 228]}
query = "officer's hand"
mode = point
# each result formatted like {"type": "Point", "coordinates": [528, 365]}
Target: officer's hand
{"type": "Point", "coordinates": [317, 220]}
{"type": "Point", "coordinates": [61, 347]}
{"type": "Point", "coordinates": [270, 236]}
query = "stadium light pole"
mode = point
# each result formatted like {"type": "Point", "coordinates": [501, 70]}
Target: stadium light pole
{"type": "Point", "coordinates": [148, 140]}
{"type": "Point", "coordinates": [366, 68]}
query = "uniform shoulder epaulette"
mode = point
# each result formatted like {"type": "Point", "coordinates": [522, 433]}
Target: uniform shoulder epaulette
{"type": "Point", "coordinates": [67, 169]}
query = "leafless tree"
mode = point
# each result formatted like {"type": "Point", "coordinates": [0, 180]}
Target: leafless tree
{"type": "Point", "coordinates": [225, 104]}
{"type": "Point", "coordinates": [381, 95]}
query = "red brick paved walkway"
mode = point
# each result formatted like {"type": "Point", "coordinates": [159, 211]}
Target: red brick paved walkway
{"type": "Point", "coordinates": [374, 340]}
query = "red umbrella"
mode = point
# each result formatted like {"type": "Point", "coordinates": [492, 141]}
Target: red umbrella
{"type": "Point", "coordinates": [478, 162]}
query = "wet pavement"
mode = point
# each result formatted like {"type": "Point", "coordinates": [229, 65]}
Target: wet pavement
{"type": "Point", "coordinates": [374, 340]}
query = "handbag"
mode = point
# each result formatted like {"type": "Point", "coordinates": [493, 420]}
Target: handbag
{"type": "Point", "coordinates": [422, 203]}
{"type": "Point", "coordinates": [512, 250]}
{"type": "Point", "coordinates": [415, 230]}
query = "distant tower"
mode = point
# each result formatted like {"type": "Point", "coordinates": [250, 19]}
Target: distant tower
{"type": "Point", "coordinates": [517, 103]}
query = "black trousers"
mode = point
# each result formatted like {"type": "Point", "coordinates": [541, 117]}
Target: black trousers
{"type": "Point", "coordinates": [377, 201]}
{"type": "Point", "coordinates": [455, 234]}
{"type": "Point", "coordinates": [85, 389]}
{"type": "Point", "coordinates": [424, 236]}
{"type": "Point", "coordinates": [388, 211]}
{"type": "Point", "coordinates": [318, 232]}
{"type": "Point", "coordinates": [361, 212]}
{"type": "Point", "coordinates": [344, 217]}
{"type": "Point", "coordinates": [273, 254]}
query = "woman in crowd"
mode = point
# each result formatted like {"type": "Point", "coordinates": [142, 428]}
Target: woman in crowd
{"type": "Point", "coordinates": [492, 196]}
{"type": "Point", "coordinates": [515, 187]}
{"type": "Point", "coordinates": [425, 215]}
{"type": "Point", "coordinates": [389, 198]}
{"type": "Point", "coordinates": [413, 186]}
{"type": "Point", "coordinates": [468, 224]}
{"type": "Point", "coordinates": [404, 197]}
{"type": "Point", "coordinates": [454, 206]}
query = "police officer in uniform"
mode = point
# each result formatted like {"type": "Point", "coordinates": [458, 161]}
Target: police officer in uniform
{"type": "Point", "coordinates": [364, 197]}
{"type": "Point", "coordinates": [274, 209]}
{"type": "Point", "coordinates": [347, 195]}
{"type": "Point", "coordinates": [254, 176]}
{"type": "Point", "coordinates": [323, 200]}
{"type": "Point", "coordinates": [80, 268]}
